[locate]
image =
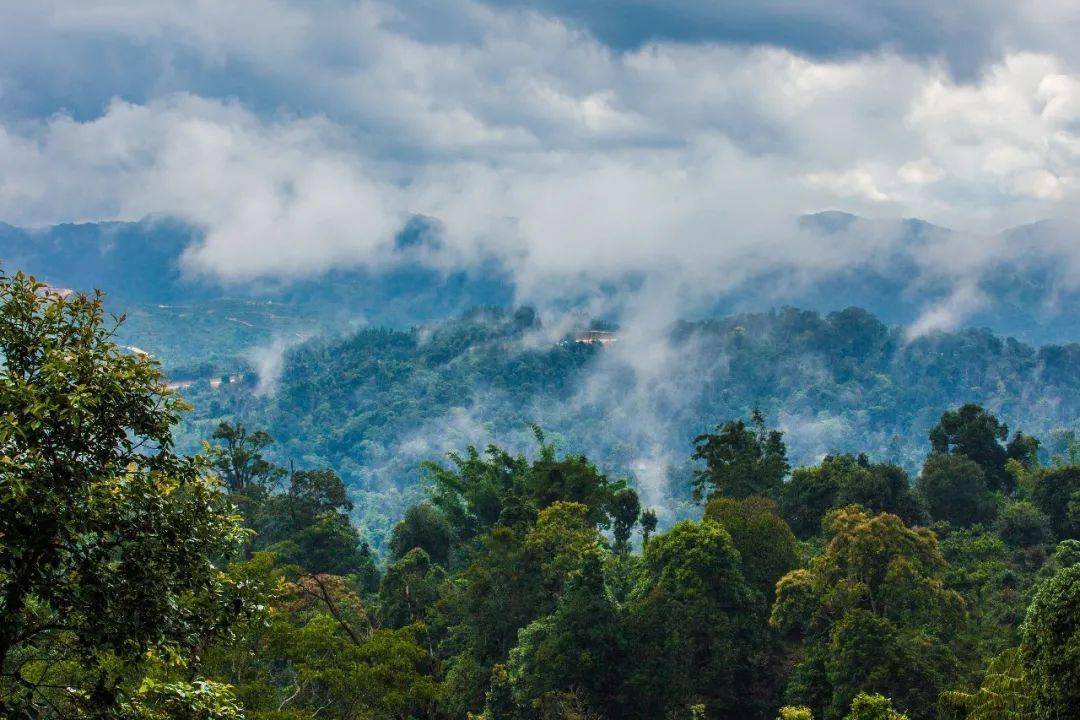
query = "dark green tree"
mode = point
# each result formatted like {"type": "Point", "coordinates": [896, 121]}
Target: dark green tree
{"type": "Point", "coordinates": [693, 639]}
{"type": "Point", "coordinates": [1051, 646]}
{"type": "Point", "coordinates": [740, 460]}
{"type": "Point", "coordinates": [872, 614]}
{"type": "Point", "coordinates": [409, 589]}
{"type": "Point", "coordinates": [1056, 492]}
{"type": "Point", "coordinates": [648, 524]}
{"type": "Point", "coordinates": [238, 458]}
{"type": "Point", "coordinates": [767, 547]}
{"type": "Point", "coordinates": [576, 649]}
{"type": "Point", "coordinates": [978, 435]}
{"type": "Point", "coordinates": [481, 491]}
{"type": "Point", "coordinates": [842, 480]}
{"type": "Point", "coordinates": [1022, 525]}
{"type": "Point", "coordinates": [308, 526]}
{"type": "Point", "coordinates": [423, 527]}
{"type": "Point", "coordinates": [954, 489]}
{"type": "Point", "coordinates": [625, 510]}
{"type": "Point", "coordinates": [315, 492]}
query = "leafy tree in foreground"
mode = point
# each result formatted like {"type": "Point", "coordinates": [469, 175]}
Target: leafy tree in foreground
{"type": "Point", "coordinates": [1051, 646]}
{"type": "Point", "coordinates": [766, 545]}
{"type": "Point", "coordinates": [320, 655]}
{"type": "Point", "coordinates": [981, 569]}
{"type": "Point", "coordinates": [873, 707]}
{"type": "Point", "coordinates": [740, 460]}
{"type": "Point", "coordinates": [576, 649]}
{"type": "Point", "coordinates": [108, 539]}
{"type": "Point", "coordinates": [863, 707]}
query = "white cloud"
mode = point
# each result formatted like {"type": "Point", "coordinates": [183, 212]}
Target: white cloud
{"type": "Point", "coordinates": [920, 171]}
{"type": "Point", "coordinates": [531, 141]}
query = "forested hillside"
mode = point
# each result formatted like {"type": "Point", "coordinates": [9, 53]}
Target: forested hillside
{"type": "Point", "coordinates": [139, 583]}
{"type": "Point", "coordinates": [377, 404]}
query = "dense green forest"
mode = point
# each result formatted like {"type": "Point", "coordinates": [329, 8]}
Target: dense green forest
{"type": "Point", "coordinates": [376, 404]}
{"type": "Point", "coordinates": [137, 581]}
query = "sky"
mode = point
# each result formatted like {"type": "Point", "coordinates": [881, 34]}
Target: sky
{"type": "Point", "coordinates": [675, 139]}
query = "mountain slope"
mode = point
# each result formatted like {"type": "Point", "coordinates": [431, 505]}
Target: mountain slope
{"type": "Point", "coordinates": [377, 404]}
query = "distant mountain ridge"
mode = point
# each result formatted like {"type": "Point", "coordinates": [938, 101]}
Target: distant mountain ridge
{"type": "Point", "coordinates": [1027, 287]}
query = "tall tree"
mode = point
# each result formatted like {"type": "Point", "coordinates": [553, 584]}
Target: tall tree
{"type": "Point", "coordinates": [842, 480]}
{"type": "Point", "coordinates": [977, 434]}
{"type": "Point", "coordinates": [108, 539]}
{"type": "Point", "coordinates": [239, 457]}
{"type": "Point", "coordinates": [425, 527]}
{"type": "Point", "coordinates": [954, 489]}
{"type": "Point", "coordinates": [740, 460]}
{"type": "Point", "coordinates": [767, 547]}
{"type": "Point", "coordinates": [625, 510]}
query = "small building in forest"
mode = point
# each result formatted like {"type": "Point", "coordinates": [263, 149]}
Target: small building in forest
{"type": "Point", "coordinates": [604, 337]}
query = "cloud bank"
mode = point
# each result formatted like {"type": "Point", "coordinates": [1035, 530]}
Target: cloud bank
{"type": "Point", "coordinates": [302, 137]}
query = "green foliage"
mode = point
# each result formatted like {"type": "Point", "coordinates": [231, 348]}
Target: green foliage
{"type": "Point", "coordinates": [575, 650]}
{"type": "Point", "coordinates": [480, 492]}
{"type": "Point", "coordinates": [767, 547]}
{"type": "Point", "coordinates": [648, 524]}
{"type": "Point", "coordinates": [692, 628]}
{"type": "Point", "coordinates": [873, 707]}
{"type": "Point", "coordinates": [842, 480]}
{"type": "Point", "coordinates": [625, 511]}
{"type": "Point", "coordinates": [426, 528]}
{"type": "Point", "coordinates": [1051, 645]}
{"type": "Point", "coordinates": [1022, 525]}
{"type": "Point", "coordinates": [498, 593]}
{"type": "Point", "coordinates": [982, 569]}
{"type": "Point", "coordinates": [873, 614]}
{"type": "Point", "coordinates": [409, 589]}
{"type": "Point", "coordinates": [1056, 492]}
{"type": "Point", "coordinates": [513, 592]}
{"type": "Point", "coordinates": [307, 525]}
{"type": "Point", "coordinates": [559, 542]}
{"type": "Point", "coordinates": [976, 434]}
{"type": "Point", "coordinates": [199, 700]}
{"type": "Point", "coordinates": [740, 461]}
{"type": "Point", "coordinates": [1004, 694]}
{"type": "Point", "coordinates": [954, 489]}
{"type": "Point", "coordinates": [320, 655]}
{"type": "Point", "coordinates": [108, 539]}
{"type": "Point", "coordinates": [238, 457]}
